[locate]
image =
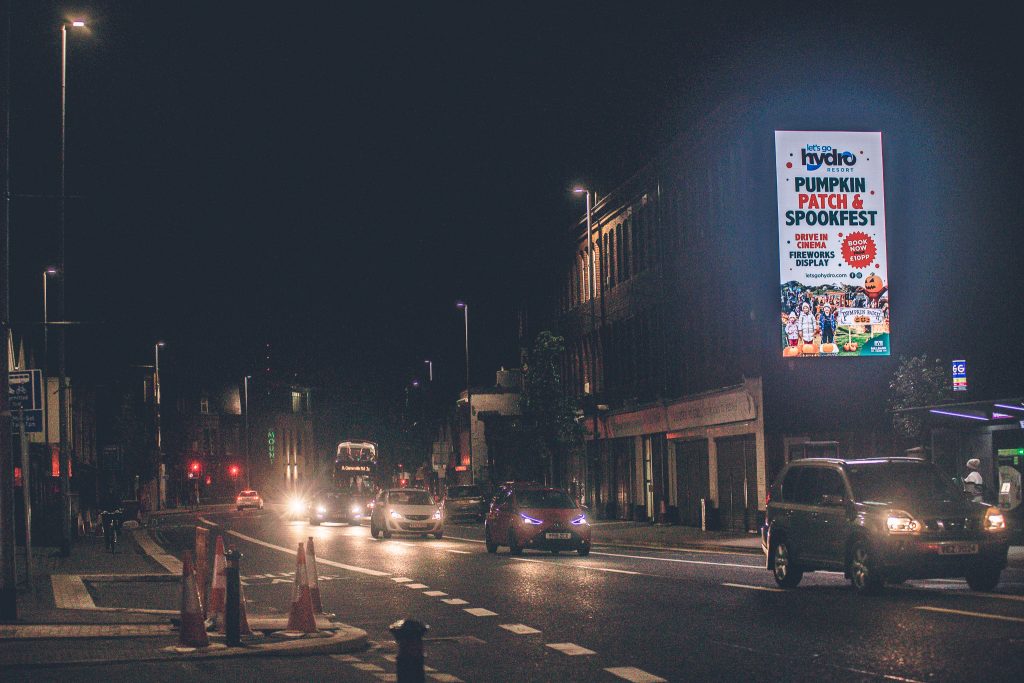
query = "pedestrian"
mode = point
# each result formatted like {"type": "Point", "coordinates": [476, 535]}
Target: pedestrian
{"type": "Point", "coordinates": [792, 330]}
{"type": "Point", "coordinates": [807, 323]}
{"type": "Point", "coordinates": [827, 323]}
{"type": "Point", "coordinates": [974, 483]}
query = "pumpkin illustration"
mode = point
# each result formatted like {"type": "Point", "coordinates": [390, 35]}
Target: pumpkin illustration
{"type": "Point", "coordinates": [850, 346]}
{"type": "Point", "coordinates": [828, 348]}
{"type": "Point", "coordinates": [790, 351]}
{"type": "Point", "coordinates": [810, 349]}
{"type": "Point", "coordinates": [873, 286]}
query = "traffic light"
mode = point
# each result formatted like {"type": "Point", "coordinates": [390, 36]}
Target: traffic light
{"type": "Point", "coordinates": [195, 468]}
{"type": "Point", "coordinates": [234, 470]}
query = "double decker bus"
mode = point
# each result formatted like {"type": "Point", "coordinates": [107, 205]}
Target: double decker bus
{"type": "Point", "coordinates": [355, 468]}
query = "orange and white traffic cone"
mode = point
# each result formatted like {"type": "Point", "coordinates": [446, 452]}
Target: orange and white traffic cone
{"type": "Point", "coordinates": [193, 628]}
{"type": "Point", "coordinates": [219, 587]}
{"type": "Point", "coordinates": [314, 578]}
{"type": "Point", "coordinates": [301, 618]}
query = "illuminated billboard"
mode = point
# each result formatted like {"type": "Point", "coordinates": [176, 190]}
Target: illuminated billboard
{"type": "Point", "coordinates": [834, 280]}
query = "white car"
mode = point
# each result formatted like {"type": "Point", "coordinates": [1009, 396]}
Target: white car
{"type": "Point", "coordinates": [406, 511]}
{"type": "Point", "coordinates": [249, 499]}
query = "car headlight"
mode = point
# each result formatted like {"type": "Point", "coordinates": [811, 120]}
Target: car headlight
{"type": "Point", "coordinates": [296, 506]}
{"type": "Point", "coordinates": [356, 509]}
{"type": "Point", "coordinates": [437, 513]}
{"type": "Point", "coordinates": [529, 520]}
{"type": "Point", "coordinates": [994, 520]}
{"type": "Point", "coordinates": [321, 509]}
{"type": "Point", "coordinates": [899, 522]}
{"type": "Point", "coordinates": [395, 515]}
{"type": "Point", "coordinates": [582, 519]}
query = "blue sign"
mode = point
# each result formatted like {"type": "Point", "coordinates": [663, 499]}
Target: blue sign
{"type": "Point", "coordinates": [25, 393]}
{"type": "Point", "coordinates": [959, 375]}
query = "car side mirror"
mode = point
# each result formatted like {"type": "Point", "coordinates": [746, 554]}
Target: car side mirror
{"type": "Point", "coordinates": [833, 500]}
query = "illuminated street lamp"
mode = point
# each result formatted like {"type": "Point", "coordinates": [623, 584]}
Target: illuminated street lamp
{"type": "Point", "coordinates": [469, 400]}
{"type": "Point", "coordinates": [65, 451]}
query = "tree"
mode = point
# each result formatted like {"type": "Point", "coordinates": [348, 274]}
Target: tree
{"type": "Point", "coordinates": [916, 383]}
{"type": "Point", "coordinates": [548, 410]}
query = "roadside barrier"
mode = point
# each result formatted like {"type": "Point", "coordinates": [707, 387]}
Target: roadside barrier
{"type": "Point", "coordinates": [301, 618]}
{"type": "Point", "coordinates": [408, 635]}
{"type": "Point", "coordinates": [236, 624]}
{"type": "Point", "coordinates": [314, 577]}
{"type": "Point", "coordinates": [193, 627]}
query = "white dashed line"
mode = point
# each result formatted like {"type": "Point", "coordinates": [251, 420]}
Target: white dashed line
{"type": "Point", "coordinates": [480, 612]}
{"type": "Point", "coordinates": [755, 588]}
{"type": "Point", "coordinates": [387, 677]}
{"type": "Point", "coordinates": [345, 658]}
{"type": "Point", "coordinates": [455, 601]}
{"type": "Point", "coordinates": [520, 629]}
{"type": "Point", "coordinates": [446, 678]}
{"type": "Point", "coordinates": [617, 571]}
{"type": "Point", "coordinates": [460, 552]}
{"type": "Point", "coordinates": [366, 666]}
{"type": "Point", "coordinates": [634, 675]}
{"type": "Point", "coordinates": [435, 594]}
{"type": "Point", "coordinates": [571, 649]}
{"type": "Point", "coordinates": [401, 579]}
{"type": "Point", "coordinates": [416, 586]}
{"type": "Point", "coordinates": [964, 613]}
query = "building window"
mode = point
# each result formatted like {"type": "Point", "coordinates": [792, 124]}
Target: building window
{"type": "Point", "coordinates": [296, 401]}
{"type": "Point", "coordinates": [204, 406]}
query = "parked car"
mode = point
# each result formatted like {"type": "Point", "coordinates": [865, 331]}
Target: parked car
{"type": "Point", "coordinates": [249, 498]}
{"type": "Point", "coordinates": [536, 517]}
{"type": "Point", "coordinates": [466, 502]}
{"type": "Point", "coordinates": [879, 520]}
{"type": "Point", "coordinates": [337, 506]}
{"type": "Point", "coordinates": [409, 511]}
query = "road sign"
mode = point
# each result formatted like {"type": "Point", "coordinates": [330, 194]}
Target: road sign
{"type": "Point", "coordinates": [33, 420]}
{"type": "Point", "coordinates": [25, 389]}
{"type": "Point", "coordinates": [959, 375]}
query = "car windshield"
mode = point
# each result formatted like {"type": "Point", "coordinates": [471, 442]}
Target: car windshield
{"type": "Point", "coordinates": [411, 498]}
{"type": "Point", "coordinates": [465, 492]}
{"type": "Point", "coordinates": [247, 493]}
{"type": "Point", "coordinates": [899, 482]}
{"type": "Point", "coordinates": [548, 500]}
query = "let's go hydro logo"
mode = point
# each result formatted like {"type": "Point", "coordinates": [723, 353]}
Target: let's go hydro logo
{"type": "Point", "coordinates": [814, 157]}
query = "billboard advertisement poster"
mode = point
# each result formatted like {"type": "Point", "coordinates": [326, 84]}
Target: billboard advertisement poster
{"type": "Point", "coordinates": [833, 275]}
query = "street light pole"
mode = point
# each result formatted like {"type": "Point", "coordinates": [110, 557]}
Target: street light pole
{"type": "Point", "coordinates": [62, 407]}
{"type": "Point", "coordinates": [50, 271]}
{"type": "Point", "coordinates": [469, 399]}
{"type": "Point", "coordinates": [430, 369]}
{"type": "Point", "coordinates": [160, 493]}
{"type": "Point", "coordinates": [592, 292]}
{"type": "Point", "coordinates": [248, 464]}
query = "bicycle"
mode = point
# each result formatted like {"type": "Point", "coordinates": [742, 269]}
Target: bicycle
{"type": "Point", "coordinates": [112, 521]}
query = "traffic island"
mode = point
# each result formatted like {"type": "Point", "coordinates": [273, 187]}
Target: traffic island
{"type": "Point", "coordinates": [341, 639]}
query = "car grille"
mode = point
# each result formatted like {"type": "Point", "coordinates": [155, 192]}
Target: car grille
{"type": "Point", "coordinates": [417, 518]}
{"type": "Point", "coordinates": [949, 525]}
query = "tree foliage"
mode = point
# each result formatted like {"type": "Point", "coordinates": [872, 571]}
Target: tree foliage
{"type": "Point", "coordinates": [916, 382]}
{"type": "Point", "coordinates": [546, 406]}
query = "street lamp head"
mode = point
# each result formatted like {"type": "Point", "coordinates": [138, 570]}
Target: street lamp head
{"type": "Point", "coordinates": [161, 344]}
{"type": "Point", "coordinates": [78, 23]}
{"type": "Point", "coordinates": [460, 304]}
{"type": "Point", "coordinates": [579, 190]}
{"type": "Point", "coordinates": [52, 270]}
{"type": "Point", "coordinates": [415, 383]}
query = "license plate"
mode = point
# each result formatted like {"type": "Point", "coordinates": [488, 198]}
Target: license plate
{"type": "Point", "coordinates": [419, 526]}
{"type": "Point", "coordinates": [560, 536]}
{"type": "Point", "coordinates": [958, 549]}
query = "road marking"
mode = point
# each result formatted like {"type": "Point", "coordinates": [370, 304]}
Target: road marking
{"type": "Point", "coordinates": [965, 613]}
{"type": "Point", "coordinates": [460, 552]}
{"type": "Point", "coordinates": [571, 649]}
{"type": "Point", "coordinates": [634, 675]}
{"type": "Point", "coordinates": [455, 601]}
{"type": "Point", "coordinates": [435, 594]}
{"type": "Point", "coordinates": [69, 592]}
{"type": "Point", "coordinates": [973, 594]}
{"type": "Point", "coordinates": [34, 631]}
{"type": "Point", "coordinates": [416, 586]}
{"type": "Point", "coordinates": [401, 579]}
{"type": "Point", "coordinates": [206, 521]}
{"type": "Point", "coordinates": [520, 629]}
{"type": "Point", "coordinates": [480, 612]}
{"type": "Point", "coordinates": [319, 560]}
{"type": "Point", "coordinates": [759, 567]}
{"type": "Point", "coordinates": [755, 588]}
{"type": "Point", "coordinates": [345, 658]}
{"type": "Point", "coordinates": [387, 677]}
{"type": "Point", "coordinates": [445, 678]}
{"type": "Point", "coordinates": [366, 666]}
{"type": "Point", "coordinates": [609, 569]}
{"type": "Point", "coordinates": [150, 547]}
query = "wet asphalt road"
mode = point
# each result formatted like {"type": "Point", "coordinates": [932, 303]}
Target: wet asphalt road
{"type": "Point", "coordinates": [673, 615]}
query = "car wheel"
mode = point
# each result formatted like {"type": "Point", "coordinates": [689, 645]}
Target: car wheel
{"type": "Point", "coordinates": [583, 550]}
{"type": "Point", "coordinates": [439, 535]}
{"type": "Point", "coordinates": [513, 545]}
{"type": "Point", "coordinates": [983, 579]}
{"type": "Point", "coordinates": [374, 531]}
{"type": "Point", "coordinates": [385, 532]}
{"type": "Point", "coordinates": [787, 574]}
{"type": "Point", "coordinates": [863, 571]}
{"type": "Point", "coordinates": [492, 547]}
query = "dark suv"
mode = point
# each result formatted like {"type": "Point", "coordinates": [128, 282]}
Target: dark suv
{"type": "Point", "coordinates": [879, 520]}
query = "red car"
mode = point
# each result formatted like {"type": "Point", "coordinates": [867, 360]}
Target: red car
{"type": "Point", "coordinates": [541, 518]}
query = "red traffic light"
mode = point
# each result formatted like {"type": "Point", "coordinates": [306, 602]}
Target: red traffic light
{"type": "Point", "coordinates": [195, 466]}
{"type": "Point", "coordinates": [233, 470]}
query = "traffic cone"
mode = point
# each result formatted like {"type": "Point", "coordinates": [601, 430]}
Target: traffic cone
{"type": "Point", "coordinates": [193, 628]}
{"type": "Point", "coordinates": [301, 618]}
{"type": "Point", "coordinates": [314, 578]}
{"type": "Point", "coordinates": [219, 586]}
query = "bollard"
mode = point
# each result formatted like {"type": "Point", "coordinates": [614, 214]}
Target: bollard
{"type": "Point", "coordinates": [233, 593]}
{"type": "Point", "coordinates": [408, 633]}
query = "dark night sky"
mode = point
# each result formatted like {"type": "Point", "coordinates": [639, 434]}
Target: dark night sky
{"type": "Point", "coordinates": [331, 178]}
